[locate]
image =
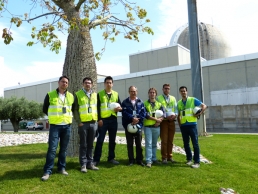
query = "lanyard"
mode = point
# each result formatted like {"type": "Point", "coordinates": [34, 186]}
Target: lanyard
{"type": "Point", "coordinates": [167, 101]}
{"type": "Point", "coordinates": [87, 96]}
{"type": "Point", "coordinates": [60, 101]}
{"type": "Point", "coordinates": [109, 97]}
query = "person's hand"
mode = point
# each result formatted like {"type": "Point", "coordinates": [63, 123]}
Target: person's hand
{"type": "Point", "coordinates": [156, 124]}
{"type": "Point", "coordinates": [80, 125]}
{"type": "Point", "coordinates": [135, 121]}
{"type": "Point", "coordinates": [118, 109]}
{"type": "Point", "coordinates": [159, 120]}
{"type": "Point", "coordinates": [100, 123]}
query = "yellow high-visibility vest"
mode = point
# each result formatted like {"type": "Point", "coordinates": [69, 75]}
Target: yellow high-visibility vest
{"type": "Point", "coordinates": [56, 106]}
{"type": "Point", "coordinates": [86, 104]}
{"type": "Point", "coordinates": [167, 106]}
{"type": "Point", "coordinates": [188, 108]}
{"type": "Point", "coordinates": [105, 111]}
{"type": "Point", "coordinates": [150, 110]}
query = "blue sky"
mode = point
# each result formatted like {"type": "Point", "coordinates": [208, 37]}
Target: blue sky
{"type": "Point", "coordinates": [237, 19]}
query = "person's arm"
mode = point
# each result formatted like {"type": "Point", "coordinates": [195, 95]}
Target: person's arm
{"type": "Point", "coordinates": [118, 109]}
{"type": "Point", "coordinates": [76, 110]}
{"type": "Point", "coordinates": [98, 107]}
{"type": "Point", "coordinates": [201, 105]}
{"type": "Point", "coordinates": [46, 104]}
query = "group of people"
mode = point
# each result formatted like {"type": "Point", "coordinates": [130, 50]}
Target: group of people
{"type": "Point", "coordinates": [93, 113]}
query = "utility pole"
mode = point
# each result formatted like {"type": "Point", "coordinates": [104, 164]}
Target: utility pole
{"type": "Point", "coordinates": [196, 69]}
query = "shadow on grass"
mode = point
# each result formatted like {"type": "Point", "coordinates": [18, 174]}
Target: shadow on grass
{"type": "Point", "coordinates": [22, 156]}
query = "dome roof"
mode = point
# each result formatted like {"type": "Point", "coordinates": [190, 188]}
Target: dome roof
{"type": "Point", "coordinates": [213, 45]}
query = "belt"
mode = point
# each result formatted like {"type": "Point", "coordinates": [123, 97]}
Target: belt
{"type": "Point", "coordinates": [150, 126]}
{"type": "Point", "coordinates": [92, 121]}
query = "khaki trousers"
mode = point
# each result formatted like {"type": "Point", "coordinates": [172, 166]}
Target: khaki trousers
{"type": "Point", "coordinates": [167, 133]}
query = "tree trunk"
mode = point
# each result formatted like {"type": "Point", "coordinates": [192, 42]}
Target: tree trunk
{"type": "Point", "coordinates": [15, 124]}
{"type": "Point", "coordinates": [79, 63]}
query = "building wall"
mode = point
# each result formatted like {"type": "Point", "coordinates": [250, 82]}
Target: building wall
{"type": "Point", "coordinates": [230, 88]}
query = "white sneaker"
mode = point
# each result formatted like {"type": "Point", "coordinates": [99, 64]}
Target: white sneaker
{"type": "Point", "coordinates": [189, 162]}
{"type": "Point", "coordinates": [149, 165]}
{"type": "Point", "coordinates": [63, 172]}
{"type": "Point", "coordinates": [196, 165]}
{"type": "Point", "coordinates": [83, 169]}
{"type": "Point", "coordinates": [45, 177]}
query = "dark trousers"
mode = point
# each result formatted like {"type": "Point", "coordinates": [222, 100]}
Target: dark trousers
{"type": "Point", "coordinates": [190, 131]}
{"type": "Point", "coordinates": [130, 139]}
{"type": "Point", "coordinates": [109, 125]}
{"type": "Point", "coordinates": [87, 135]}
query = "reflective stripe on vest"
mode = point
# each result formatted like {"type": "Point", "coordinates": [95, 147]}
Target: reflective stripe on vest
{"type": "Point", "coordinates": [105, 111]}
{"type": "Point", "coordinates": [55, 109]}
{"type": "Point", "coordinates": [170, 105]}
{"type": "Point", "coordinates": [188, 108]}
{"type": "Point", "coordinates": [84, 104]}
{"type": "Point", "coordinates": [150, 110]}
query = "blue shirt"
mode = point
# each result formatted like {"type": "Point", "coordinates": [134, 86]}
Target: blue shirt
{"type": "Point", "coordinates": [196, 103]}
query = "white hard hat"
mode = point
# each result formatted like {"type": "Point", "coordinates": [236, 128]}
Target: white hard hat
{"type": "Point", "coordinates": [196, 110]}
{"type": "Point", "coordinates": [170, 113]}
{"type": "Point", "coordinates": [114, 105]}
{"type": "Point", "coordinates": [132, 128]}
{"type": "Point", "coordinates": [158, 113]}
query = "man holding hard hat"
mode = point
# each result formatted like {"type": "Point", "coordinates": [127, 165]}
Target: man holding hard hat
{"type": "Point", "coordinates": [108, 104]}
{"type": "Point", "coordinates": [133, 114]}
{"type": "Point", "coordinates": [187, 120]}
{"type": "Point", "coordinates": [167, 126]}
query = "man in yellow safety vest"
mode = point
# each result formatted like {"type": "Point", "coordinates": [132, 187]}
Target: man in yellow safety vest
{"type": "Point", "coordinates": [187, 121]}
{"type": "Point", "coordinates": [85, 114]}
{"type": "Point", "coordinates": [58, 106]}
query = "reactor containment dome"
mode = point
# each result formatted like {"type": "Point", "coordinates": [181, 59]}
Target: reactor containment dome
{"type": "Point", "coordinates": [213, 44]}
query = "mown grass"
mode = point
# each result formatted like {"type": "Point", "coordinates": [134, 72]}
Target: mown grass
{"type": "Point", "coordinates": [234, 166]}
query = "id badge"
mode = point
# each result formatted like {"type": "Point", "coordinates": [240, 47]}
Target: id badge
{"type": "Point", "coordinates": [169, 109]}
{"type": "Point", "coordinates": [183, 113]}
{"type": "Point", "coordinates": [153, 114]}
{"type": "Point", "coordinates": [134, 113]}
{"type": "Point", "coordinates": [64, 110]}
{"type": "Point", "coordinates": [108, 105]}
{"type": "Point", "coordinates": [89, 110]}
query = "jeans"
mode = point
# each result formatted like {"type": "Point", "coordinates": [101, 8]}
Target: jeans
{"type": "Point", "coordinates": [130, 139]}
{"type": "Point", "coordinates": [61, 134]}
{"type": "Point", "coordinates": [87, 135]}
{"type": "Point", "coordinates": [109, 125]}
{"type": "Point", "coordinates": [151, 138]}
{"type": "Point", "coordinates": [190, 131]}
{"type": "Point", "coordinates": [167, 133]}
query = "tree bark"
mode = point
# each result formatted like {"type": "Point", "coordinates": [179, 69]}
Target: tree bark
{"type": "Point", "coordinates": [15, 124]}
{"type": "Point", "coordinates": [79, 63]}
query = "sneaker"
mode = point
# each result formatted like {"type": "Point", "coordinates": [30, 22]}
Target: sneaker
{"type": "Point", "coordinates": [140, 163]}
{"type": "Point", "coordinates": [164, 161]}
{"type": "Point", "coordinates": [189, 162]}
{"type": "Point", "coordinates": [149, 165]}
{"type": "Point", "coordinates": [130, 164]}
{"type": "Point", "coordinates": [113, 162]}
{"type": "Point", "coordinates": [171, 160]}
{"type": "Point", "coordinates": [196, 165]}
{"type": "Point", "coordinates": [63, 172]}
{"type": "Point", "coordinates": [95, 163]}
{"type": "Point", "coordinates": [156, 162]}
{"type": "Point", "coordinates": [45, 177]}
{"type": "Point", "coordinates": [92, 167]}
{"type": "Point", "coordinates": [83, 169]}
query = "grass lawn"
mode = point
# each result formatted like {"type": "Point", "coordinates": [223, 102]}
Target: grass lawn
{"type": "Point", "coordinates": [234, 166]}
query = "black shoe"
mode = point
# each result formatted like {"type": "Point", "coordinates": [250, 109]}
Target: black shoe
{"type": "Point", "coordinates": [140, 163]}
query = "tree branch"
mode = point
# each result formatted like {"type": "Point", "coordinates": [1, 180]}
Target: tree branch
{"type": "Point", "coordinates": [78, 6]}
{"type": "Point", "coordinates": [99, 21]}
{"type": "Point", "coordinates": [121, 24]}
{"type": "Point", "coordinates": [56, 13]}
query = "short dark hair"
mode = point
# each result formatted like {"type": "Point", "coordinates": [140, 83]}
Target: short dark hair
{"type": "Point", "coordinates": [154, 90]}
{"type": "Point", "coordinates": [63, 76]}
{"type": "Point", "coordinates": [88, 78]}
{"type": "Point", "coordinates": [166, 85]}
{"type": "Point", "coordinates": [182, 87]}
{"type": "Point", "coordinates": [108, 78]}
